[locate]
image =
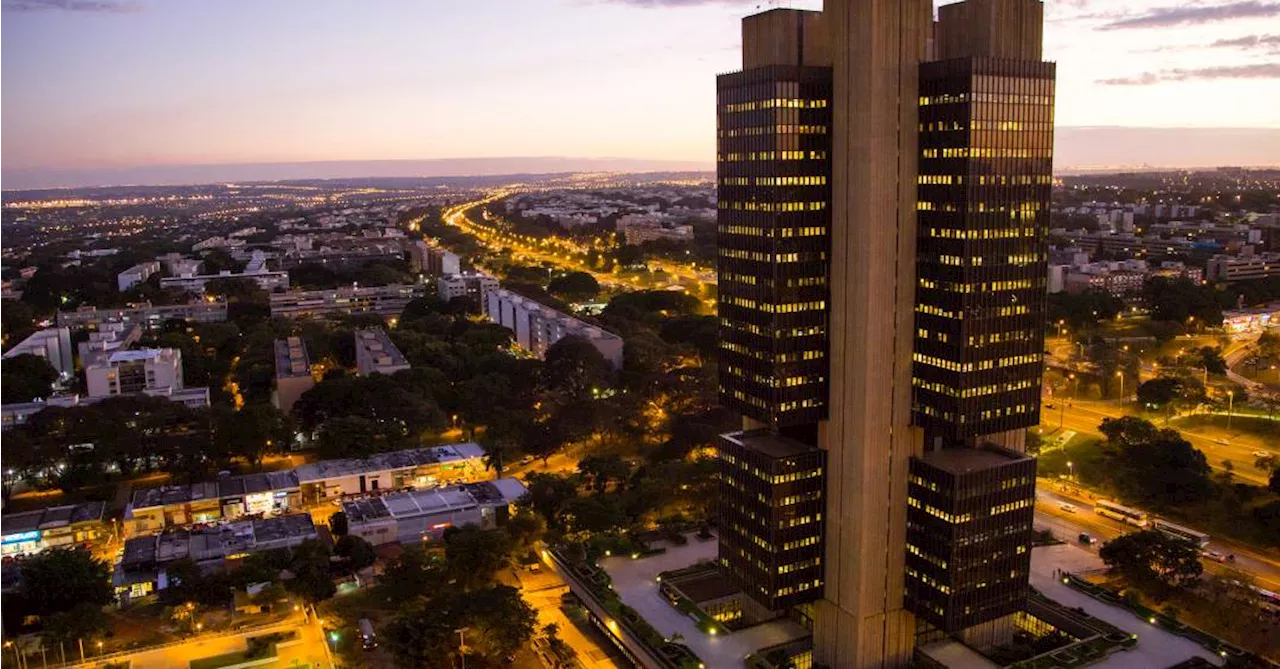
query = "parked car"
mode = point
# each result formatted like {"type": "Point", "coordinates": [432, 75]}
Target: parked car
{"type": "Point", "coordinates": [1086, 538]}
{"type": "Point", "coordinates": [368, 639]}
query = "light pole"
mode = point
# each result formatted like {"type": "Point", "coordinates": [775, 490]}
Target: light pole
{"type": "Point", "coordinates": [1071, 471]}
{"type": "Point", "coordinates": [462, 645]}
{"type": "Point", "coordinates": [1231, 406]}
{"type": "Point", "coordinates": [1120, 375]}
{"type": "Point", "coordinates": [1074, 387]}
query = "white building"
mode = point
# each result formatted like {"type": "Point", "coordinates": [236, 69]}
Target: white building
{"type": "Point", "coordinates": [425, 258]}
{"type": "Point", "coordinates": [256, 271]}
{"type": "Point", "coordinates": [136, 275]}
{"type": "Point", "coordinates": [216, 243]}
{"type": "Point", "coordinates": [376, 354]}
{"type": "Point", "coordinates": [293, 373]}
{"type": "Point", "coordinates": [129, 372]}
{"type": "Point", "coordinates": [538, 327]}
{"type": "Point", "coordinates": [475, 285]}
{"type": "Point", "coordinates": [423, 515]}
{"type": "Point", "coordinates": [417, 468]}
{"type": "Point", "coordinates": [52, 344]}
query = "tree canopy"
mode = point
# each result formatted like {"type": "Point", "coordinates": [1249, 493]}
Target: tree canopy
{"type": "Point", "coordinates": [1151, 557]}
{"type": "Point", "coordinates": [26, 377]}
{"type": "Point", "coordinates": [1154, 466]}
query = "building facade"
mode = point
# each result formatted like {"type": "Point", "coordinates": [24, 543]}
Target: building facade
{"type": "Point", "coordinates": [537, 327]}
{"type": "Point", "coordinates": [377, 354]}
{"type": "Point", "coordinates": [133, 372]}
{"type": "Point", "coordinates": [52, 344]}
{"type": "Point", "coordinates": [150, 317]}
{"type": "Point", "coordinates": [918, 304]}
{"type": "Point", "coordinates": [386, 301]}
{"type": "Point", "coordinates": [293, 373]}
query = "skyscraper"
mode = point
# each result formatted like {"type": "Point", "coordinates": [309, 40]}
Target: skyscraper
{"type": "Point", "coordinates": [902, 336]}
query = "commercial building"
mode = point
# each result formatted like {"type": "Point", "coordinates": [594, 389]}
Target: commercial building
{"type": "Point", "coordinates": [272, 493]}
{"type": "Point", "coordinates": [883, 202]}
{"type": "Point", "coordinates": [293, 373]}
{"type": "Point", "coordinates": [142, 569]}
{"type": "Point", "coordinates": [150, 317]}
{"type": "Point", "coordinates": [53, 527]}
{"type": "Point", "coordinates": [154, 509]}
{"type": "Point", "coordinates": [475, 285]}
{"type": "Point", "coordinates": [376, 354]}
{"type": "Point", "coordinates": [52, 344]}
{"type": "Point", "coordinates": [136, 275]}
{"type": "Point", "coordinates": [538, 327]}
{"type": "Point", "coordinates": [423, 515]}
{"type": "Point", "coordinates": [433, 260]}
{"type": "Point", "coordinates": [385, 301]}
{"type": "Point", "coordinates": [130, 372]}
{"type": "Point", "coordinates": [1252, 320]}
{"type": "Point", "coordinates": [395, 470]}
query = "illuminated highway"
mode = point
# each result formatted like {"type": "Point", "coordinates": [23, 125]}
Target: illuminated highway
{"type": "Point", "coordinates": [568, 255]}
{"type": "Point", "coordinates": [1217, 444]}
{"type": "Point", "coordinates": [1067, 526]}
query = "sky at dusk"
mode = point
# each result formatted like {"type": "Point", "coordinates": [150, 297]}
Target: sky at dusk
{"type": "Point", "coordinates": [92, 84]}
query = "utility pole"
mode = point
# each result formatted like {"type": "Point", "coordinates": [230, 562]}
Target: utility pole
{"type": "Point", "coordinates": [462, 645]}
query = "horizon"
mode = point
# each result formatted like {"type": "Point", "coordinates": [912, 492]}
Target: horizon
{"type": "Point", "coordinates": [140, 84]}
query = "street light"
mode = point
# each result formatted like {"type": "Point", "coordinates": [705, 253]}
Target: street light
{"type": "Point", "coordinates": [1120, 375]}
{"type": "Point", "coordinates": [1231, 404]}
{"type": "Point", "coordinates": [1071, 471]}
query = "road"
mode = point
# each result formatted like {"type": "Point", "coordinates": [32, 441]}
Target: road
{"type": "Point", "coordinates": [310, 650]}
{"type": "Point", "coordinates": [1068, 526]}
{"type": "Point", "coordinates": [566, 254]}
{"type": "Point", "coordinates": [1217, 444]}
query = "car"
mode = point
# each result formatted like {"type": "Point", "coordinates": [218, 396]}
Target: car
{"type": "Point", "coordinates": [1068, 507]}
{"type": "Point", "coordinates": [526, 459]}
{"type": "Point", "coordinates": [1224, 442]}
{"type": "Point", "coordinates": [368, 638]}
{"type": "Point", "coordinates": [1049, 405]}
{"type": "Point", "coordinates": [1262, 454]}
{"type": "Point", "coordinates": [535, 567]}
{"type": "Point", "coordinates": [1086, 538]}
{"type": "Point", "coordinates": [1214, 555]}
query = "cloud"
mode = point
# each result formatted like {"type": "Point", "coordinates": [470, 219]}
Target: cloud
{"type": "Point", "coordinates": [98, 6]}
{"type": "Point", "coordinates": [1164, 17]}
{"type": "Point", "coordinates": [1249, 42]}
{"type": "Point", "coordinates": [1259, 71]}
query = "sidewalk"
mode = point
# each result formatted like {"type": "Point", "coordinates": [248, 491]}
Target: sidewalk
{"type": "Point", "coordinates": [1156, 647]}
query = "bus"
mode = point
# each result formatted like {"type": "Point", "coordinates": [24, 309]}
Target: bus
{"type": "Point", "coordinates": [1121, 513]}
{"type": "Point", "coordinates": [1200, 539]}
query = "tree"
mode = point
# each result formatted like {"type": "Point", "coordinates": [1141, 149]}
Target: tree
{"type": "Point", "coordinates": [601, 469]}
{"type": "Point", "coordinates": [474, 555]}
{"type": "Point", "coordinates": [502, 620]}
{"type": "Point", "coordinates": [357, 552]}
{"type": "Point", "coordinates": [574, 368]}
{"type": "Point", "coordinates": [349, 437]}
{"type": "Point", "coordinates": [574, 286]}
{"type": "Point", "coordinates": [1273, 483]}
{"type": "Point", "coordinates": [548, 493]}
{"type": "Point", "coordinates": [26, 377]}
{"type": "Point", "coordinates": [312, 577]}
{"type": "Point", "coordinates": [1158, 392]}
{"type": "Point", "coordinates": [61, 579]}
{"type": "Point", "coordinates": [1154, 466]}
{"type": "Point", "coordinates": [252, 432]}
{"type": "Point", "coordinates": [81, 623]}
{"type": "Point", "coordinates": [1181, 300]}
{"type": "Point", "coordinates": [338, 524]}
{"type": "Point", "coordinates": [525, 529]}
{"type": "Point", "coordinates": [1211, 360]}
{"type": "Point", "coordinates": [414, 573]}
{"type": "Point", "coordinates": [1150, 558]}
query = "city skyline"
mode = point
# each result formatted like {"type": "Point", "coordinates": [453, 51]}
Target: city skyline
{"type": "Point", "coordinates": [146, 84]}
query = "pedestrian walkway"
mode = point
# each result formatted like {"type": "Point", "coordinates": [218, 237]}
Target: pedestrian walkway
{"type": "Point", "coordinates": [1156, 647]}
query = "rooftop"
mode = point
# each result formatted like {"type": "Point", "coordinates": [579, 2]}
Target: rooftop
{"type": "Point", "coordinates": [390, 461]}
{"type": "Point", "coordinates": [225, 487]}
{"type": "Point", "coordinates": [53, 516]}
{"type": "Point", "coordinates": [291, 358]}
{"type": "Point", "coordinates": [965, 460]}
{"type": "Point", "coordinates": [375, 344]}
{"type": "Point", "coordinates": [772, 445]}
{"type": "Point", "coordinates": [140, 354]}
{"type": "Point", "coordinates": [416, 503]}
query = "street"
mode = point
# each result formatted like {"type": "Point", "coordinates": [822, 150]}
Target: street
{"type": "Point", "coordinates": [1068, 526]}
{"type": "Point", "coordinates": [1084, 416]}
